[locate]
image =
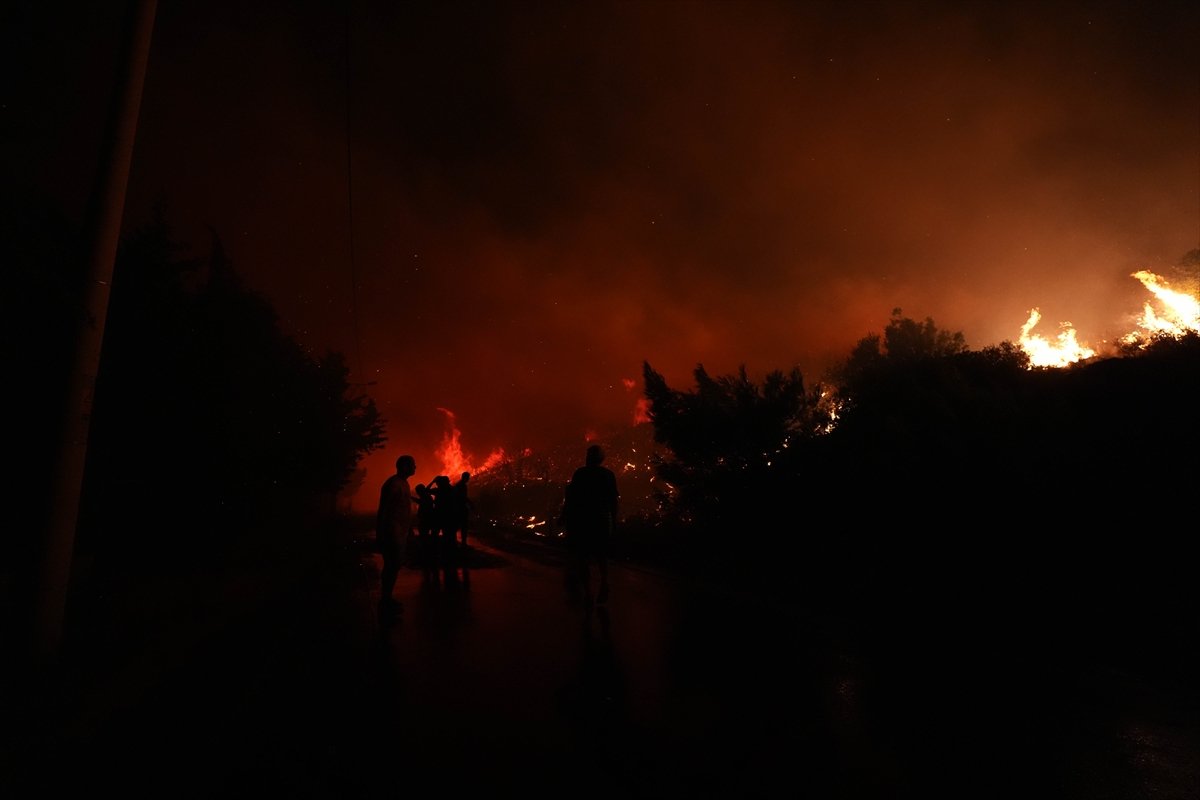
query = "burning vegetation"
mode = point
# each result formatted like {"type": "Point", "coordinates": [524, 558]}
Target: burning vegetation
{"type": "Point", "coordinates": [912, 423]}
{"type": "Point", "coordinates": [1177, 314]}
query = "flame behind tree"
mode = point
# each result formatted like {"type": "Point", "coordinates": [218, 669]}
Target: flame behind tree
{"type": "Point", "coordinates": [454, 460]}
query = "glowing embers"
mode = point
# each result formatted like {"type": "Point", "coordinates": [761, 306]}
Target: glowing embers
{"type": "Point", "coordinates": [540, 527]}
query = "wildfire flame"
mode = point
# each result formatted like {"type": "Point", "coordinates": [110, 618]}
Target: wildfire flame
{"type": "Point", "coordinates": [641, 411]}
{"type": "Point", "coordinates": [454, 460]}
{"type": "Point", "coordinates": [1043, 353]}
{"type": "Point", "coordinates": [1179, 315]}
{"type": "Point", "coordinates": [1181, 311]}
{"type": "Point", "coordinates": [641, 408]}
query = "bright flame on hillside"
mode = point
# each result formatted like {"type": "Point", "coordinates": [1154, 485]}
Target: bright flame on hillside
{"type": "Point", "coordinates": [454, 460]}
{"type": "Point", "coordinates": [1180, 314]}
{"type": "Point", "coordinates": [1043, 353]}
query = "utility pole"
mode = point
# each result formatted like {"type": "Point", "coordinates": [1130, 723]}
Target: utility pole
{"type": "Point", "coordinates": [105, 234]}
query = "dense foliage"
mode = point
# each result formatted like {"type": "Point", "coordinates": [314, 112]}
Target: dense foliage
{"type": "Point", "coordinates": [207, 418]}
{"type": "Point", "coordinates": [915, 428]}
{"type": "Point", "coordinates": [736, 449]}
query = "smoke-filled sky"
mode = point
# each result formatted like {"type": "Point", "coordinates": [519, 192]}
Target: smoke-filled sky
{"type": "Point", "coordinates": [503, 208]}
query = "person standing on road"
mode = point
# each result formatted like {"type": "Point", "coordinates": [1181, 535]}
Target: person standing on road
{"type": "Point", "coordinates": [426, 545]}
{"type": "Point", "coordinates": [443, 517]}
{"type": "Point", "coordinates": [393, 525]}
{"type": "Point", "coordinates": [589, 517]}
{"type": "Point", "coordinates": [460, 509]}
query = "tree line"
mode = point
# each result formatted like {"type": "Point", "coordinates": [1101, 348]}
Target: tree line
{"type": "Point", "coordinates": [914, 437]}
{"type": "Point", "coordinates": [211, 431]}
{"type": "Point", "coordinates": [927, 487]}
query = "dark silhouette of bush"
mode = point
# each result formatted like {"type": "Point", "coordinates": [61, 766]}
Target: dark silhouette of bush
{"type": "Point", "coordinates": [736, 456]}
{"type": "Point", "coordinates": [210, 426]}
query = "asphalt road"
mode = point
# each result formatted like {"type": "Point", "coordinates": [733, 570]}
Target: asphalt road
{"type": "Point", "coordinates": [494, 678]}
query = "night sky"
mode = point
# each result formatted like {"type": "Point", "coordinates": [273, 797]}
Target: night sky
{"type": "Point", "coordinates": [545, 195]}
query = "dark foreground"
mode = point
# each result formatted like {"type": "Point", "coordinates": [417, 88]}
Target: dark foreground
{"type": "Point", "coordinates": [848, 678]}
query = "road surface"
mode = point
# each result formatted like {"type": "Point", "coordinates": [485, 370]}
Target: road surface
{"type": "Point", "coordinates": [493, 678]}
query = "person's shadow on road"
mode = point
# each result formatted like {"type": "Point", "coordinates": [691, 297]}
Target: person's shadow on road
{"type": "Point", "coordinates": [593, 698]}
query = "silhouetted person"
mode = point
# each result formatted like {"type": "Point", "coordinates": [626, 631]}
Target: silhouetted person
{"type": "Point", "coordinates": [393, 524]}
{"type": "Point", "coordinates": [460, 510]}
{"type": "Point", "coordinates": [443, 525]}
{"type": "Point", "coordinates": [589, 517]}
{"type": "Point", "coordinates": [426, 545]}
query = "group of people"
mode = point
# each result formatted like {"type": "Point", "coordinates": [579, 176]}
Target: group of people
{"type": "Point", "coordinates": [443, 517]}
{"type": "Point", "coordinates": [431, 523]}
{"type": "Point", "coordinates": [428, 524]}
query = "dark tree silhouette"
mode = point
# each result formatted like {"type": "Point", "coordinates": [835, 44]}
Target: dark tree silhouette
{"type": "Point", "coordinates": [962, 490]}
{"type": "Point", "coordinates": [904, 341]}
{"type": "Point", "coordinates": [207, 418]}
{"type": "Point", "coordinates": [921, 417]}
{"type": "Point", "coordinates": [736, 449]}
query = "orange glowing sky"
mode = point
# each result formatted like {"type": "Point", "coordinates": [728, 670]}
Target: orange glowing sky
{"type": "Point", "coordinates": [547, 194]}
